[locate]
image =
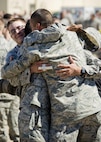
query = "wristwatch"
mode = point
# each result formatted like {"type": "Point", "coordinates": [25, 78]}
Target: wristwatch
{"type": "Point", "coordinates": [83, 72]}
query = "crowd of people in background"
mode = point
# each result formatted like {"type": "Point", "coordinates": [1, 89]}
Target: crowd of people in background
{"type": "Point", "coordinates": [10, 105]}
{"type": "Point", "coordinates": [66, 17]}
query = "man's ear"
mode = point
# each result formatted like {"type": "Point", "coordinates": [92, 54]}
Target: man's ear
{"type": "Point", "coordinates": [38, 26]}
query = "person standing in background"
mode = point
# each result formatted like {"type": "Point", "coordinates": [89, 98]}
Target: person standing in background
{"type": "Point", "coordinates": [11, 42]}
{"type": "Point", "coordinates": [34, 116]}
{"type": "Point", "coordinates": [8, 116]}
{"type": "Point", "coordinates": [66, 17]}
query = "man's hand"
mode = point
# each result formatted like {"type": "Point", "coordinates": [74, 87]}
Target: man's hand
{"type": "Point", "coordinates": [75, 27]}
{"type": "Point", "coordinates": [34, 67]}
{"type": "Point", "coordinates": [39, 67]}
{"type": "Point", "coordinates": [68, 70]}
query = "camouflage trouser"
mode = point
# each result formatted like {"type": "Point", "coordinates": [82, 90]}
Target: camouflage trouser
{"type": "Point", "coordinates": [85, 130]}
{"type": "Point", "coordinates": [4, 129]}
{"type": "Point", "coordinates": [9, 121]}
{"type": "Point", "coordinates": [13, 119]}
{"type": "Point", "coordinates": [34, 127]}
{"type": "Point", "coordinates": [91, 129]}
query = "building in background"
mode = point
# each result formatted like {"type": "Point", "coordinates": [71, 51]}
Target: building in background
{"type": "Point", "coordinates": [25, 7]}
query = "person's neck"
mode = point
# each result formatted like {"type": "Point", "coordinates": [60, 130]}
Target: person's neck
{"type": "Point", "coordinates": [1, 33]}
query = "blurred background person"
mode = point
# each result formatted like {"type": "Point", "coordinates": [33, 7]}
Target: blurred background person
{"type": "Point", "coordinates": [8, 114]}
{"type": "Point", "coordinates": [66, 18]}
{"type": "Point", "coordinates": [92, 22]}
{"type": "Point", "coordinates": [11, 42]}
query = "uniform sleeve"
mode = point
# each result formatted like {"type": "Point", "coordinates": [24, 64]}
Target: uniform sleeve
{"type": "Point", "coordinates": [44, 35]}
{"type": "Point", "coordinates": [93, 67]}
{"type": "Point", "coordinates": [21, 79]}
{"type": "Point", "coordinates": [6, 87]}
{"type": "Point", "coordinates": [15, 67]}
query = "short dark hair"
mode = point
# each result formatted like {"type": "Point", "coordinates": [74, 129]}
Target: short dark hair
{"type": "Point", "coordinates": [27, 28]}
{"type": "Point", "coordinates": [42, 16]}
{"type": "Point", "coordinates": [7, 16]}
{"type": "Point", "coordinates": [15, 19]}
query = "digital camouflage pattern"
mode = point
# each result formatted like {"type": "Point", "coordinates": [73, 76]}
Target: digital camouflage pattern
{"type": "Point", "coordinates": [8, 111]}
{"type": "Point", "coordinates": [71, 98]}
{"type": "Point", "coordinates": [92, 131]}
{"type": "Point", "coordinates": [34, 117]}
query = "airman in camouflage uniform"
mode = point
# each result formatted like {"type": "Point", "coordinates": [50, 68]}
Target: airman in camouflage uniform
{"type": "Point", "coordinates": [72, 104]}
{"type": "Point", "coordinates": [8, 114]}
{"type": "Point", "coordinates": [34, 117]}
{"type": "Point", "coordinates": [92, 38]}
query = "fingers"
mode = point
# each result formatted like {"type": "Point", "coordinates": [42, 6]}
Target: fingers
{"type": "Point", "coordinates": [75, 27]}
{"type": "Point", "coordinates": [63, 74]}
{"type": "Point", "coordinates": [39, 63]}
{"type": "Point", "coordinates": [62, 71]}
{"type": "Point", "coordinates": [63, 66]}
{"type": "Point", "coordinates": [71, 61]}
{"type": "Point", "coordinates": [80, 26]}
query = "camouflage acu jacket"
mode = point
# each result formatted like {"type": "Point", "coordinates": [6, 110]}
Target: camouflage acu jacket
{"type": "Point", "coordinates": [71, 98]}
